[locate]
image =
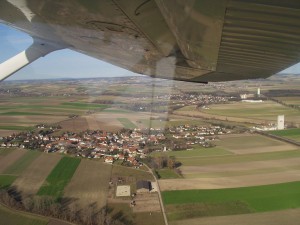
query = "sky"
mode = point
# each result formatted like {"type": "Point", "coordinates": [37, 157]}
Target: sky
{"type": "Point", "coordinates": [62, 63]}
{"type": "Point", "coordinates": [58, 64]}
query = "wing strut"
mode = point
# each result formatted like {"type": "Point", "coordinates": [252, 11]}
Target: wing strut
{"type": "Point", "coordinates": [39, 48]}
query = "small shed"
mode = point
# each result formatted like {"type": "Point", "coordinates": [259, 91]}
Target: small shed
{"type": "Point", "coordinates": [143, 186]}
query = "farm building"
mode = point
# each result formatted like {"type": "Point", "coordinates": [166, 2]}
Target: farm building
{"type": "Point", "coordinates": [143, 186]}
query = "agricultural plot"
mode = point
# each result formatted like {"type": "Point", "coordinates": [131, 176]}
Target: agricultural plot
{"type": "Point", "coordinates": [130, 175]}
{"type": "Point", "coordinates": [32, 178]}
{"type": "Point", "coordinates": [7, 160]}
{"type": "Point", "coordinates": [197, 152]}
{"type": "Point", "coordinates": [127, 123]}
{"type": "Point", "coordinates": [89, 185]}
{"type": "Point", "coordinates": [267, 111]}
{"type": "Point", "coordinates": [6, 180]}
{"type": "Point", "coordinates": [167, 174]}
{"type": "Point", "coordinates": [246, 144]}
{"type": "Point", "coordinates": [10, 217]}
{"type": "Point", "coordinates": [200, 203]}
{"type": "Point", "coordinates": [148, 123]}
{"type": "Point", "coordinates": [286, 217]}
{"type": "Point", "coordinates": [293, 134]}
{"type": "Point", "coordinates": [59, 177]}
{"type": "Point", "coordinates": [22, 163]}
{"type": "Point", "coordinates": [290, 100]}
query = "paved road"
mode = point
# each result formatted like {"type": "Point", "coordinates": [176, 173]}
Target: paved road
{"type": "Point", "coordinates": [159, 196]}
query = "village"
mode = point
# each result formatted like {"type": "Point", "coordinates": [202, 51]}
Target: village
{"type": "Point", "coordinates": [127, 146]}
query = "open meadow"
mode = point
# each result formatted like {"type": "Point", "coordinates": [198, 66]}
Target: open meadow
{"type": "Point", "coordinates": [293, 134]}
{"type": "Point", "coordinates": [219, 202]}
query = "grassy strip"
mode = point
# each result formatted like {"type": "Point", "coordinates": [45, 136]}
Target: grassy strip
{"type": "Point", "coordinates": [82, 105]}
{"type": "Point", "coordinates": [17, 218]}
{"type": "Point", "coordinates": [59, 177]}
{"type": "Point", "coordinates": [258, 198]}
{"type": "Point", "coordinates": [286, 133]}
{"type": "Point", "coordinates": [167, 174]}
{"type": "Point", "coordinates": [193, 210]}
{"type": "Point", "coordinates": [6, 181]}
{"type": "Point", "coordinates": [21, 164]}
{"type": "Point", "coordinates": [15, 128]}
{"type": "Point", "coordinates": [127, 123]}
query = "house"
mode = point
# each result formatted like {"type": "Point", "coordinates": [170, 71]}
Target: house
{"type": "Point", "coordinates": [109, 159]}
{"type": "Point", "coordinates": [143, 186]}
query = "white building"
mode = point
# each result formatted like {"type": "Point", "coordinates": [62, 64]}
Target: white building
{"type": "Point", "coordinates": [258, 92]}
{"type": "Point", "coordinates": [280, 122]}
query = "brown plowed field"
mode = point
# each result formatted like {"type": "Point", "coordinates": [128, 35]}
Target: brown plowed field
{"type": "Point", "coordinates": [89, 184]}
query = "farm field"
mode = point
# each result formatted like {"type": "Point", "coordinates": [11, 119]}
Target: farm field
{"type": "Point", "coordinates": [32, 178]}
{"type": "Point", "coordinates": [290, 100]}
{"type": "Point", "coordinates": [167, 174]}
{"type": "Point", "coordinates": [293, 134]}
{"type": "Point", "coordinates": [267, 111]}
{"type": "Point", "coordinates": [219, 202]}
{"type": "Point", "coordinates": [286, 217]}
{"type": "Point", "coordinates": [263, 161]}
{"type": "Point", "coordinates": [22, 163]}
{"type": "Point", "coordinates": [10, 217]}
{"type": "Point", "coordinates": [22, 113]}
{"type": "Point", "coordinates": [59, 177]}
{"type": "Point", "coordinates": [246, 144]}
{"type": "Point", "coordinates": [89, 185]}
{"type": "Point", "coordinates": [6, 180]}
{"type": "Point", "coordinates": [127, 123]}
{"type": "Point", "coordinates": [196, 152]}
{"type": "Point", "coordinates": [9, 158]}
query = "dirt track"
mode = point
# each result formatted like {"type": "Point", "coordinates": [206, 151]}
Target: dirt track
{"type": "Point", "coordinates": [286, 217]}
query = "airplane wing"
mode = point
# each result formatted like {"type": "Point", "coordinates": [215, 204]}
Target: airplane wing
{"type": "Point", "coordinates": [190, 40]}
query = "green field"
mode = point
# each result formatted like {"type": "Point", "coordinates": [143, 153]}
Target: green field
{"type": "Point", "coordinates": [290, 100]}
{"type": "Point", "coordinates": [167, 174]}
{"type": "Point", "coordinates": [21, 164]}
{"type": "Point", "coordinates": [6, 181]}
{"type": "Point", "coordinates": [127, 123]}
{"type": "Point", "coordinates": [59, 177]}
{"type": "Point", "coordinates": [10, 217]}
{"type": "Point", "coordinates": [216, 202]}
{"type": "Point", "coordinates": [289, 133]}
{"type": "Point", "coordinates": [83, 105]}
